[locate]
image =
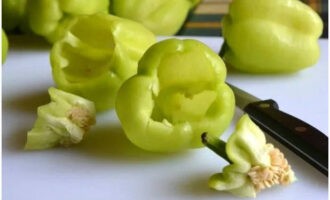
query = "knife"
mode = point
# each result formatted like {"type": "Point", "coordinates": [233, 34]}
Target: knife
{"type": "Point", "coordinates": [300, 137]}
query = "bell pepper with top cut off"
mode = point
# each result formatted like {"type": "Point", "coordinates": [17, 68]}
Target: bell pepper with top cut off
{"type": "Point", "coordinates": [97, 54]}
{"type": "Point", "coordinates": [49, 18]}
{"type": "Point", "coordinates": [267, 36]}
{"type": "Point", "coordinates": [178, 93]}
{"type": "Point", "coordinates": [162, 17]}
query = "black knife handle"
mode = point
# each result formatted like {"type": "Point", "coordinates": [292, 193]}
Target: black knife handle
{"type": "Point", "coordinates": [300, 137]}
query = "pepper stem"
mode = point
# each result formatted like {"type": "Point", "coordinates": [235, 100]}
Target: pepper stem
{"type": "Point", "coordinates": [223, 49]}
{"type": "Point", "coordinates": [216, 145]}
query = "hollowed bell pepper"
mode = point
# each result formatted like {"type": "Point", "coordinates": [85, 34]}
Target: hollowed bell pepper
{"type": "Point", "coordinates": [162, 17]}
{"type": "Point", "coordinates": [48, 18]}
{"type": "Point", "coordinates": [97, 54]}
{"type": "Point", "coordinates": [178, 93]}
{"type": "Point", "coordinates": [267, 36]}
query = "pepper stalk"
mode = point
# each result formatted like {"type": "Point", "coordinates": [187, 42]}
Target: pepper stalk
{"type": "Point", "coordinates": [216, 145]}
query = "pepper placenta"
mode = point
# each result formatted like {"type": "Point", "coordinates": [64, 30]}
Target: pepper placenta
{"type": "Point", "coordinates": [64, 121]}
{"type": "Point", "coordinates": [254, 165]}
{"type": "Point", "coordinates": [178, 93]}
{"type": "Point", "coordinates": [269, 36]}
{"type": "Point", "coordinates": [162, 17]}
{"type": "Point", "coordinates": [97, 54]}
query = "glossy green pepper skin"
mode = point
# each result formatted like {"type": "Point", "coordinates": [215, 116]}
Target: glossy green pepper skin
{"type": "Point", "coordinates": [269, 36]}
{"type": "Point", "coordinates": [49, 18]}
{"type": "Point", "coordinates": [97, 54]}
{"type": "Point", "coordinates": [178, 93]}
{"type": "Point", "coordinates": [162, 17]}
{"type": "Point", "coordinates": [4, 49]}
{"type": "Point", "coordinates": [13, 12]}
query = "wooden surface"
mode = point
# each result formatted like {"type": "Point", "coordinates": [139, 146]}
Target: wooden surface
{"type": "Point", "coordinates": [213, 7]}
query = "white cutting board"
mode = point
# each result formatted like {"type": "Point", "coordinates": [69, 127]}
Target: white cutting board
{"type": "Point", "coordinates": [107, 166]}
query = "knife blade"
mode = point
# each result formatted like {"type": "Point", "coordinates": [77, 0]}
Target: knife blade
{"type": "Point", "coordinates": [300, 137]}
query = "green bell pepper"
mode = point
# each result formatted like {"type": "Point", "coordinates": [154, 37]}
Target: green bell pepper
{"type": "Point", "coordinates": [254, 165]}
{"type": "Point", "coordinates": [64, 121]}
{"type": "Point", "coordinates": [269, 36]}
{"type": "Point", "coordinates": [4, 45]}
{"type": "Point", "coordinates": [13, 12]}
{"type": "Point", "coordinates": [49, 18]}
{"type": "Point", "coordinates": [178, 93]}
{"type": "Point", "coordinates": [97, 54]}
{"type": "Point", "coordinates": [162, 17]}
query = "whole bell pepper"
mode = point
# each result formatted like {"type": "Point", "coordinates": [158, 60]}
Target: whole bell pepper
{"type": "Point", "coordinates": [162, 17]}
{"type": "Point", "coordinates": [49, 18]}
{"type": "Point", "coordinates": [178, 93]}
{"type": "Point", "coordinates": [97, 54]}
{"type": "Point", "coordinates": [268, 36]}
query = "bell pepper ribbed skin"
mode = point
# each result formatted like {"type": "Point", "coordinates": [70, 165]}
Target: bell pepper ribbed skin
{"type": "Point", "coordinates": [267, 36]}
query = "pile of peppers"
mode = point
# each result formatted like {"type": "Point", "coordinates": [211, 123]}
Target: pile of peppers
{"type": "Point", "coordinates": [49, 18]}
{"type": "Point", "coordinates": [169, 95]}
